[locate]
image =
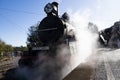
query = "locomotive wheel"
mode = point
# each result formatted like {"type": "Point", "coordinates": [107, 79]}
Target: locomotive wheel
{"type": "Point", "coordinates": [21, 63]}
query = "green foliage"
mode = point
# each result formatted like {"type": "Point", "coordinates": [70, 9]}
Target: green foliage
{"type": "Point", "coordinates": [21, 48]}
{"type": "Point", "coordinates": [4, 48]}
{"type": "Point", "coordinates": [33, 37]}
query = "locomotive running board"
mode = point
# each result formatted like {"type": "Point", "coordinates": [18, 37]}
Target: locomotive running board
{"type": "Point", "coordinates": [48, 29]}
{"type": "Point", "coordinates": [41, 48]}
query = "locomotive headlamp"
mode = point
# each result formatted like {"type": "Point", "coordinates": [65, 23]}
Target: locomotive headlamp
{"type": "Point", "coordinates": [55, 8]}
{"type": "Point", "coordinates": [48, 8]}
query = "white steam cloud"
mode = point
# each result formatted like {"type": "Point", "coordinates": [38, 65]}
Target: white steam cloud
{"type": "Point", "coordinates": [86, 40]}
{"type": "Point", "coordinates": [57, 67]}
{"type": "Point", "coordinates": [86, 43]}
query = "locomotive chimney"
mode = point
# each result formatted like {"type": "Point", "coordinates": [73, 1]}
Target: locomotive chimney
{"type": "Point", "coordinates": [55, 6]}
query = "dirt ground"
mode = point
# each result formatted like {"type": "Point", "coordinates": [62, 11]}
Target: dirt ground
{"type": "Point", "coordinates": [82, 72]}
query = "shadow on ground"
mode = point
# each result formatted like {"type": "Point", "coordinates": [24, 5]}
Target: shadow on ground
{"type": "Point", "coordinates": [82, 72]}
{"type": "Point", "coordinates": [9, 74]}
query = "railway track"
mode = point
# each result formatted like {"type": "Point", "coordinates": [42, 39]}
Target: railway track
{"type": "Point", "coordinates": [8, 64]}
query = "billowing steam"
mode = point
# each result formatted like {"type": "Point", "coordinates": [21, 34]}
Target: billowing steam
{"type": "Point", "coordinates": [86, 44]}
{"type": "Point", "coordinates": [57, 67]}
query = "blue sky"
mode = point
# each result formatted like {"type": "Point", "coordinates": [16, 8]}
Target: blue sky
{"type": "Point", "coordinates": [16, 16]}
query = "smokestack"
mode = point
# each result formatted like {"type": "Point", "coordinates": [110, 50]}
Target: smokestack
{"type": "Point", "coordinates": [55, 7]}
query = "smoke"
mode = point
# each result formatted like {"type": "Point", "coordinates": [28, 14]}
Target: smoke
{"type": "Point", "coordinates": [47, 67]}
{"type": "Point", "coordinates": [57, 66]}
{"type": "Point", "coordinates": [86, 40]}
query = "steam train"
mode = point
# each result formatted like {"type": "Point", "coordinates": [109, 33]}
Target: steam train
{"type": "Point", "coordinates": [104, 36]}
{"type": "Point", "coordinates": [110, 37]}
{"type": "Point", "coordinates": [52, 32]}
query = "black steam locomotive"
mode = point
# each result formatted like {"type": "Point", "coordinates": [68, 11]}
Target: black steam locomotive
{"type": "Point", "coordinates": [110, 37]}
{"type": "Point", "coordinates": [52, 31]}
{"type": "Point", "coordinates": [105, 35]}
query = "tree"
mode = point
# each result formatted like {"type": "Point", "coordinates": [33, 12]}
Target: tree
{"type": "Point", "coordinates": [5, 48]}
{"type": "Point", "coordinates": [8, 48]}
{"type": "Point", "coordinates": [2, 46]}
{"type": "Point", "coordinates": [21, 48]}
{"type": "Point", "coordinates": [33, 36]}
